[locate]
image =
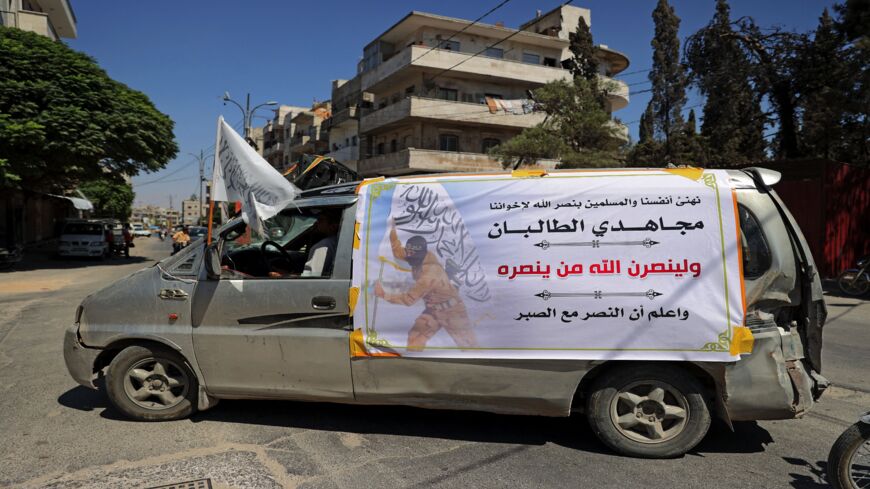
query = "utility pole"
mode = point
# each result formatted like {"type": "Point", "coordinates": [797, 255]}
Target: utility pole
{"type": "Point", "coordinates": [201, 157]}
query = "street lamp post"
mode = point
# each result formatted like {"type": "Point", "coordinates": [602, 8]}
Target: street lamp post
{"type": "Point", "coordinates": [247, 111]}
{"type": "Point", "coordinates": [201, 157]}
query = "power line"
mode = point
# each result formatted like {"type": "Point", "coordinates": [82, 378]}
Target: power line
{"type": "Point", "coordinates": [633, 72]}
{"type": "Point", "coordinates": [492, 45]}
{"type": "Point", "coordinates": [683, 110]}
{"type": "Point", "coordinates": [460, 31]}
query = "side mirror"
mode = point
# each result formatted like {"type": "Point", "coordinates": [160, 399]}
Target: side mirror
{"type": "Point", "coordinates": [213, 261]}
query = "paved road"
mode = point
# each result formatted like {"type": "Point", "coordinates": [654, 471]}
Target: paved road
{"type": "Point", "coordinates": [55, 434]}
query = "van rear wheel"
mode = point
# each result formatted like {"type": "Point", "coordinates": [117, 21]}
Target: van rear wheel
{"type": "Point", "coordinates": [151, 384]}
{"type": "Point", "coordinates": [648, 410]}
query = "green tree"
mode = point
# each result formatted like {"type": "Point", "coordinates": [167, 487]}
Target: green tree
{"type": "Point", "coordinates": [733, 127]}
{"type": "Point", "coordinates": [668, 83]}
{"type": "Point", "coordinates": [825, 98]}
{"type": "Point", "coordinates": [693, 149]}
{"type": "Point", "coordinates": [854, 26]}
{"type": "Point", "coordinates": [582, 63]}
{"type": "Point", "coordinates": [577, 130]}
{"type": "Point", "coordinates": [63, 120]}
{"type": "Point", "coordinates": [648, 150]}
{"type": "Point", "coordinates": [111, 198]}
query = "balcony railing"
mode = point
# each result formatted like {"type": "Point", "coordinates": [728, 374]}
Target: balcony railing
{"type": "Point", "coordinates": [480, 66]}
{"type": "Point", "coordinates": [447, 111]}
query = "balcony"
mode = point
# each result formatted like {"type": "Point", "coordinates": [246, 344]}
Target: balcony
{"type": "Point", "coordinates": [617, 92]}
{"type": "Point", "coordinates": [414, 160]}
{"type": "Point", "coordinates": [445, 111]}
{"type": "Point", "coordinates": [350, 114]}
{"type": "Point", "coordinates": [298, 142]}
{"type": "Point", "coordinates": [37, 22]}
{"type": "Point", "coordinates": [479, 67]}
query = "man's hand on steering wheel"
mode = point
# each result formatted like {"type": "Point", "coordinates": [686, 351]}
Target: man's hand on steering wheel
{"type": "Point", "coordinates": [265, 256]}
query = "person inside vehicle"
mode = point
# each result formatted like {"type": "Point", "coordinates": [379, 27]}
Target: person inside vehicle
{"type": "Point", "coordinates": [321, 255]}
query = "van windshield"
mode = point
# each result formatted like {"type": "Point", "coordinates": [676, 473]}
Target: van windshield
{"type": "Point", "coordinates": [93, 229]}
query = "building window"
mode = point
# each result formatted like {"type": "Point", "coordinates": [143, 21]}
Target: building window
{"type": "Point", "coordinates": [353, 141]}
{"type": "Point", "coordinates": [406, 142]}
{"type": "Point", "coordinates": [394, 146]}
{"type": "Point", "coordinates": [494, 53]}
{"type": "Point", "coordinates": [489, 143]}
{"type": "Point", "coordinates": [448, 142]}
{"type": "Point", "coordinates": [380, 148]}
{"type": "Point", "coordinates": [450, 45]}
{"type": "Point", "coordinates": [531, 58]}
{"type": "Point", "coordinates": [550, 62]}
{"type": "Point", "coordinates": [448, 94]}
{"type": "Point", "coordinates": [496, 96]}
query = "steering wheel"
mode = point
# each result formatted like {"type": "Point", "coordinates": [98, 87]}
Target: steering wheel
{"type": "Point", "coordinates": [278, 247]}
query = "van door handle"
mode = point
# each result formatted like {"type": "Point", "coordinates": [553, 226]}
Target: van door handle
{"type": "Point", "coordinates": [323, 303]}
{"type": "Point", "coordinates": [173, 294]}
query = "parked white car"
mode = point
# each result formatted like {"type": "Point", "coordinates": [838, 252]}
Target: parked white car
{"type": "Point", "coordinates": [84, 238]}
{"type": "Point", "coordinates": [140, 231]}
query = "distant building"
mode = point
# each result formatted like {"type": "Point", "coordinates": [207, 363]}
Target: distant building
{"type": "Point", "coordinates": [151, 215]}
{"type": "Point", "coordinates": [310, 134]}
{"type": "Point", "coordinates": [256, 137]}
{"type": "Point", "coordinates": [191, 211]}
{"type": "Point", "coordinates": [51, 18]}
{"type": "Point", "coordinates": [274, 142]}
{"type": "Point", "coordinates": [343, 126]}
{"type": "Point", "coordinates": [420, 103]}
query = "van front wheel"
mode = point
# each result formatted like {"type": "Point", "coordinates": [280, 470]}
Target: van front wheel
{"type": "Point", "coordinates": [648, 410]}
{"type": "Point", "coordinates": [151, 384]}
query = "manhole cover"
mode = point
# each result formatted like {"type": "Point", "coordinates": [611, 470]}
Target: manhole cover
{"type": "Point", "coordinates": [197, 484]}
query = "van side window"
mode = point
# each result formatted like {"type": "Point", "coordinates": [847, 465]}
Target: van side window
{"type": "Point", "coordinates": [756, 252]}
{"type": "Point", "coordinates": [299, 243]}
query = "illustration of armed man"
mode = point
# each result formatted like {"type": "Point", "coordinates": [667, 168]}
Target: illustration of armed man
{"type": "Point", "coordinates": [444, 305]}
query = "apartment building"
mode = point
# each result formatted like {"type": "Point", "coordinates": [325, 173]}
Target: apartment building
{"type": "Point", "coordinates": [154, 215]}
{"type": "Point", "coordinates": [275, 136]}
{"type": "Point", "coordinates": [429, 104]}
{"type": "Point", "coordinates": [192, 211]}
{"type": "Point", "coordinates": [51, 18]}
{"type": "Point", "coordinates": [255, 138]}
{"type": "Point", "coordinates": [310, 134]}
{"type": "Point", "coordinates": [343, 126]}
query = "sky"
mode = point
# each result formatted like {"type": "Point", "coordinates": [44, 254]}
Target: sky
{"type": "Point", "coordinates": [185, 55]}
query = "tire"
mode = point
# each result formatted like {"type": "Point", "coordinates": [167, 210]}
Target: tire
{"type": "Point", "coordinates": [151, 383]}
{"type": "Point", "coordinates": [840, 460]}
{"type": "Point", "coordinates": [648, 410]}
{"type": "Point", "coordinates": [858, 288]}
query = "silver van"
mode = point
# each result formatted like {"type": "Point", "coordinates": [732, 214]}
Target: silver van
{"type": "Point", "coordinates": [241, 319]}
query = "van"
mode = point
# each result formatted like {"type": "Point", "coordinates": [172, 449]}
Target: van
{"type": "Point", "coordinates": [278, 317]}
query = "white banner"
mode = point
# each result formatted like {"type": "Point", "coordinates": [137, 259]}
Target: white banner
{"type": "Point", "coordinates": [241, 174]}
{"type": "Point", "coordinates": [626, 264]}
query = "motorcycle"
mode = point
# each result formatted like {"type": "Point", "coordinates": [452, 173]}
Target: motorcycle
{"type": "Point", "coordinates": [856, 281]}
{"type": "Point", "coordinates": [849, 459]}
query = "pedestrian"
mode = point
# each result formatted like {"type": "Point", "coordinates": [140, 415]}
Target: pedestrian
{"type": "Point", "coordinates": [128, 239]}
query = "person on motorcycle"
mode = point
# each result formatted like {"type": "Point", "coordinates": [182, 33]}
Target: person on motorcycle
{"type": "Point", "coordinates": [180, 239]}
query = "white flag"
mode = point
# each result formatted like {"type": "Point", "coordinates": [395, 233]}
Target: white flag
{"type": "Point", "coordinates": [240, 174]}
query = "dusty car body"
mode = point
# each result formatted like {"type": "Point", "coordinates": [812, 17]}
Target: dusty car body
{"type": "Point", "coordinates": [289, 339]}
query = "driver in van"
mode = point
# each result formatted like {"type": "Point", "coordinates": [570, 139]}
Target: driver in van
{"type": "Point", "coordinates": [321, 255]}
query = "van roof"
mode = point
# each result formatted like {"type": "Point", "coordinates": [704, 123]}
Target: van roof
{"type": "Point", "coordinates": [739, 179]}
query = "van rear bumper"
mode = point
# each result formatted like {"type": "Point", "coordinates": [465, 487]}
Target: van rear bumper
{"type": "Point", "coordinates": [772, 382]}
{"type": "Point", "coordinates": [79, 358]}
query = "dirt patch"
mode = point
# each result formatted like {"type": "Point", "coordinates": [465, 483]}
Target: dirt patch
{"type": "Point", "coordinates": [30, 285]}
